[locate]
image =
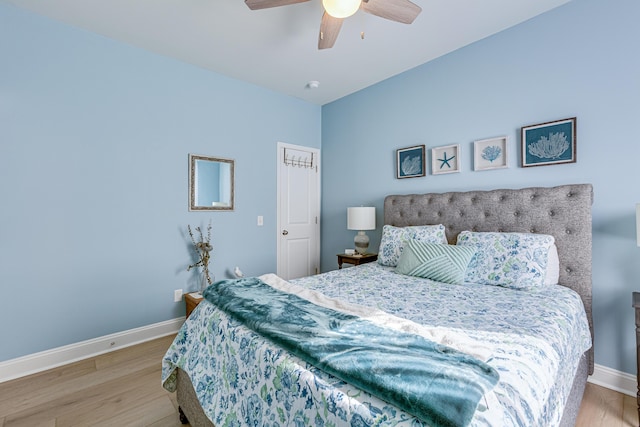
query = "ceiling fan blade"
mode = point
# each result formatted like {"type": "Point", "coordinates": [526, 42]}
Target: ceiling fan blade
{"type": "Point", "coordinates": [395, 10]}
{"type": "Point", "coordinates": [265, 4]}
{"type": "Point", "coordinates": [329, 30]}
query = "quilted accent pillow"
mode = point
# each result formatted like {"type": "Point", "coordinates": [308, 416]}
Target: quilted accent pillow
{"type": "Point", "coordinates": [442, 263]}
{"type": "Point", "coordinates": [512, 260]}
{"type": "Point", "coordinates": [393, 239]}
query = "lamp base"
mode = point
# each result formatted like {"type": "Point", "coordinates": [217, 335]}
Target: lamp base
{"type": "Point", "coordinates": [361, 242]}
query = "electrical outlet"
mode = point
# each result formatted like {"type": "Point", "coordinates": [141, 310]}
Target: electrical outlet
{"type": "Point", "coordinates": [260, 220]}
{"type": "Point", "coordinates": [177, 295]}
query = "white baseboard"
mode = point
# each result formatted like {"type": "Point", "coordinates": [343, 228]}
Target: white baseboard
{"type": "Point", "coordinates": [614, 380]}
{"type": "Point", "coordinates": [38, 362]}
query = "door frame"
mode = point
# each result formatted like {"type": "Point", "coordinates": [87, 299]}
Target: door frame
{"type": "Point", "coordinates": [279, 165]}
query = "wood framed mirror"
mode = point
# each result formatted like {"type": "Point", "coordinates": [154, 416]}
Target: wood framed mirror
{"type": "Point", "coordinates": [211, 183]}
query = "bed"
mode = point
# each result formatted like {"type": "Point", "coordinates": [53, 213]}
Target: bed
{"type": "Point", "coordinates": [523, 332]}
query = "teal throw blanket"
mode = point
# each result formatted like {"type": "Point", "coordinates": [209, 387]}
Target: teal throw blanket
{"type": "Point", "coordinates": [437, 384]}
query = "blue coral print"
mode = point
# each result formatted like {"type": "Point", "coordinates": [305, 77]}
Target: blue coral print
{"type": "Point", "coordinates": [548, 144]}
{"type": "Point", "coordinates": [491, 153]}
{"type": "Point", "coordinates": [410, 162]}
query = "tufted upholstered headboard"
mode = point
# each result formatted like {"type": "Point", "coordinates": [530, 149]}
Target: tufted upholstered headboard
{"type": "Point", "coordinates": [563, 212]}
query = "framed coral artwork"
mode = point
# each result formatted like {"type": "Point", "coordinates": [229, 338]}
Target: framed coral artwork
{"type": "Point", "coordinates": [410, 162]}
{"type": "Point", "coordinates": [490, 153]}
{"type": "Point", "coordinates": [549, 143]}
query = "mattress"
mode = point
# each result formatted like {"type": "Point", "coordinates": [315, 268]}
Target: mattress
{"type": "Point", "coordinates": [534, 339]}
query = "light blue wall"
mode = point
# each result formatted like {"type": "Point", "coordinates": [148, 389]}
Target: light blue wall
{"type": "Point", "coordinates": [94, 143]}
{"type": "Point", "coordinates": [578, 60]}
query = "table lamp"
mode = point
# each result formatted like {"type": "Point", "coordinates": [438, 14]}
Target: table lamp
{"type": "Point", "coordinates": [361, 219]}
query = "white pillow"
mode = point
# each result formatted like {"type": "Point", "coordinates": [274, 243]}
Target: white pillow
{"type": "Point", "coordinates": [553, 267]}
{"type": "Point", "coordinates": [512, 260]}
{"type": "Point", "coordinates": [393, 239]}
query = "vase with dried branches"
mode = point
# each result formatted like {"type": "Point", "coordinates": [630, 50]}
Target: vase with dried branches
{"type": "Point", "coordinates": [203, 249]}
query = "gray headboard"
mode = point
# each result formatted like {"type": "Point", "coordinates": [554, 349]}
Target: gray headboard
{"type": "Point", "coordinates": [564, 212]}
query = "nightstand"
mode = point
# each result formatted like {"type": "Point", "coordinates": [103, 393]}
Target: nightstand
{"type": "Point", "coordinates": [356, 259]}
{"type": "Point", "coordinates": [192, 300]}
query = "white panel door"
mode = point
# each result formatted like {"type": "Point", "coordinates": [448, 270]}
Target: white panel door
{"type": "Point", "coordinates": [298, 211]}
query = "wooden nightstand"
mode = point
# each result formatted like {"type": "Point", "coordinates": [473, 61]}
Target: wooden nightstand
{"type": "Point", "coordinates": [192, 300]}
{"type": "Point", "coordinates": [356, 259]}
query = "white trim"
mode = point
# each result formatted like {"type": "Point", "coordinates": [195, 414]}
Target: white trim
{"type": "Point", "coordinates": [48, 359]}
{"type": "Point", "coordinates": [614, 380]}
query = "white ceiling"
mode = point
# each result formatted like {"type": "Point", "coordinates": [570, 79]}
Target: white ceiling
{"type": "Point", "coordinates": [277, 48]}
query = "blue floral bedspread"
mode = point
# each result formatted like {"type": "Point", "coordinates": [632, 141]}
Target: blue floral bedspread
{"type": "Point", "coordinates": [534, 340]}
{"type": "Point", "coordinates": [436, 383]}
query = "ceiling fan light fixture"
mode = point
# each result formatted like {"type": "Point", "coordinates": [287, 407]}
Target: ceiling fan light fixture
{"type": "Point", "coordinates": [341, 8]}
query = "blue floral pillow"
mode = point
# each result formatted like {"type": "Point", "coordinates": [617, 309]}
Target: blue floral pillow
{"type": "Point", "coordinates": [393, 239]}
{"type": "Point", "coordinates": [512, 260]}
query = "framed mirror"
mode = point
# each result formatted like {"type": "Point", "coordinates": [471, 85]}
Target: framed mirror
{"type": "Point", "coordinates": [210, 183]}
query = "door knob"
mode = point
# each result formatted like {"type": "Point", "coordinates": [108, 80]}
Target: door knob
{"type": "Point", "coordinates": [285, 232]}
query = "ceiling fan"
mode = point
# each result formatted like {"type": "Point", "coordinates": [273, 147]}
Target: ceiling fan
{"type": "Point", "coordinates": [335, 11]}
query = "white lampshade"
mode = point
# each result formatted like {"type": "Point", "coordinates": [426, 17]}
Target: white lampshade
{"type": "Point", "coordinates": [341, 8]}
{"type": "Point", "coordinates": [638, 223]}
{"type": "Point", "coordinates": [361, 218]}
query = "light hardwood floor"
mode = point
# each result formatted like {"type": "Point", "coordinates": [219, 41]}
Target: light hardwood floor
{"type": "Point", "coordinates": [123, 388]}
